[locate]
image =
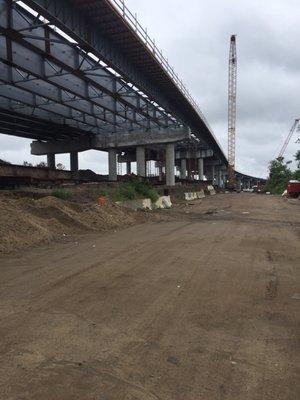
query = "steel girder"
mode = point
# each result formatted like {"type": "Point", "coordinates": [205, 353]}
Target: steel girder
{"type": "Point", "coordinates": [70, 20]}
{"type": "Point", "coordinates": [44, 74]}
{"type": "Point", "coordinates": [14, 123]}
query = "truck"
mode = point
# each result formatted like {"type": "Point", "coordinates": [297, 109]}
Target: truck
{"type": "Point", "coordinates": [293, 188]}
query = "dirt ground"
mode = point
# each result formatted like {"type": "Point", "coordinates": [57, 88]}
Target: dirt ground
{"type": "Point", "coordinates": [27, 221]}
{"type": "Point", "coordinates": [203, 306]}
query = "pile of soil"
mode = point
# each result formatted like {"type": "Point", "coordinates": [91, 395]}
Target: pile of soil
{"type": "Point", "coordinates": [26, 221]}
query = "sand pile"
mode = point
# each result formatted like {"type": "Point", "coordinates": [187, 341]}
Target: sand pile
{"type": "Point", "coordinates": [25, 222]}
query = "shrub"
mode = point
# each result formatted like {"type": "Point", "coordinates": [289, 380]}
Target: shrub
{"type": "Point", "coordinates": [135, 189]}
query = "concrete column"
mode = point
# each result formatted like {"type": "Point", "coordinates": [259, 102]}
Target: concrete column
{"type": "Point", "coordinates": [74, 161]}
{"type": "Point", "coordinates": [239, 184]}
{"type": "Point", "coordinates": [213, 174]}
{"type": "Point", "coordinates": [160, 173]}
{"type": "Point", "coordinates": [183, 168]}
{"type": "Point", "coordinates": [220, 180]}
{"type": "Point", "coordinates": [200, 168]}
{"type": "Point", "coordinates": [141, 161]}
{"type": "Point", "coordinates": [112, 165]}
{"type": "Point", "coordinates": [216, 175]}
{"type": "Point", "coordinates": [128, 167]}
{"type": "Point", "coordinates": [51, 161]}
{"type": "Point", "coordinates": [170, 164]}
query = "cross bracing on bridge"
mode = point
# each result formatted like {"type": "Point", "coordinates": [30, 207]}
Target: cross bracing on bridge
{"type": "Point", "coordinates": [44, 75]}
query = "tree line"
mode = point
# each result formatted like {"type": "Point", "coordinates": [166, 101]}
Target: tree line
{"type": "Point", "coordinates": [280, 174]}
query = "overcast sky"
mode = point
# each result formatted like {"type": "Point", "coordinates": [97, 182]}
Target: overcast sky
{"type": "Point", "coordinates": [194, 36]}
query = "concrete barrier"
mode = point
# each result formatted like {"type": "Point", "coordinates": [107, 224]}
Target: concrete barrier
{"type": "Point", "coordinates": [163, 202]}
{"type": "Point", "coordinates": [140, 204]}
{"type": "Point", "coordinates": [194, 195]}
{"type": "Point", "coordinates": [211, 190]}
{"type": "Point", "coordinates": [146, 204]}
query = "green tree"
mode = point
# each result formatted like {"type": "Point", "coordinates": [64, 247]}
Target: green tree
{"type": "Point", "coordinates": [296, 174]}
{"type": "Point", "coordinates": [279, 176]}
{"type": "Point", "coordinates": [297, 158]}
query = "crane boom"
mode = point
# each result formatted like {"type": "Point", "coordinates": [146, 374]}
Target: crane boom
{"type": "Point", "coordinates": [232, 83]}
{"type": "Point", "coordinates": [289, 136]}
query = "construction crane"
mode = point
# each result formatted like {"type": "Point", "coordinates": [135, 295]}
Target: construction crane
{"type": "Point", "coordinates": [232, 81]}
{"type": "Point", "coordinates": [295, 127]}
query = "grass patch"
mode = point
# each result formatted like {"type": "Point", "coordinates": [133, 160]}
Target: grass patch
{"type": "Point", "coordinates": [62, 194]}
{"type": "Point", "coordinates": [135, 189]}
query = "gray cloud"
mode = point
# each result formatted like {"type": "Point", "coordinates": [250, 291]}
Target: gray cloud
{"type": "Point", "coordinates": [194, 35]}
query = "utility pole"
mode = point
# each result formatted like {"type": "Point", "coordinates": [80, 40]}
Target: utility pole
{"type": "Point", "coordinates": [232, 81]}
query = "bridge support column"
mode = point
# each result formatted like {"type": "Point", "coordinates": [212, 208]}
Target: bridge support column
{"type": "Point", "coordinates": [189, 170]}
{"type": "Point", "coordinates": [141, 161]}
{"type": "Point", "coordinates": [170, 164]}
{"type": "Point", "coordinates": [74, 161]}
{"type": "Point", "coordinates": [183, 168]}
{"type": "Point", "coordinates": [128, 167]}
{"type": "Point", "coordinates": [160, 173]}
{"type": "Point", "coordinates": [213, 174]}
{"type": "Point", "coordinates": [112, 165]}
{"type": "Point", "coordinates": [200, 168]}
{"type": "Point", "coordinates": [51, 161]}
{"type": "Point", "coordinates": [220, 180]}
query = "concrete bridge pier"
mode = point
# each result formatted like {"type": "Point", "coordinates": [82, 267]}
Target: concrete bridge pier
{"type": "Point", "coordinates": [200, 169]}
{"type": "Point", "coordinates": [160, 173]}
{"type": "Point", "coordinates": [141, 161]}
{"type": "Point", "coordinates": [128, 167]}
{"type": "Point", "coordinates": [74, 161]}
{"type": "Point", "coordinates": [183, 168]}
{"type": "Point", "coordinates": [170, 164]}
{"type": "Point", "coordinates": [51, 161]}
{"type": "Point", "coordinates": [213, 174]}
{"type": "Point", "coordinates": [220, 178]}
{"type": "Point", "coordinates": [112, 165]}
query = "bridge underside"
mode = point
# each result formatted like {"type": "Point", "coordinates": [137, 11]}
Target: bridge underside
{"type": "Point", "coordinates": [75, 75]}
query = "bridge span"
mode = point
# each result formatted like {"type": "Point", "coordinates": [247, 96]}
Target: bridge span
{"type": "Point", "coordinates": [84, 74]}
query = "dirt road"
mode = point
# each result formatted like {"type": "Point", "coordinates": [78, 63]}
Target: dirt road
{"type": "Point", "coordinates": [204, 306]}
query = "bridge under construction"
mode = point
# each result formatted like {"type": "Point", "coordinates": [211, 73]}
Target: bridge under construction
{"type": "Point", "coordinates": [81, 74]}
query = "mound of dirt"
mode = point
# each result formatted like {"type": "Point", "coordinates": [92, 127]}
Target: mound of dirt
{"type": "Point", "coordinates": [25, 222]}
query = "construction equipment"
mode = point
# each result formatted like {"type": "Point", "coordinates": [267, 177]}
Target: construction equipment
{"type": "Point", "coordinates": [295, 127]}
{"type": "Point", "coordinates": [232, 83]}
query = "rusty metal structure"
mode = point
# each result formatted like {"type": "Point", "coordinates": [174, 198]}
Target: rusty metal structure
{"type": "Point", "coordinates": [232, 84]}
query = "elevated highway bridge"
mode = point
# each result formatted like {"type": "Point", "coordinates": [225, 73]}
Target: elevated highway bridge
{"type": "Point", "coordinates": [84, 74]}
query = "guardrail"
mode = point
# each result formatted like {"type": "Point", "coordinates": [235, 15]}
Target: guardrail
{"type": "Point", "coordinates": [142, 33]}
